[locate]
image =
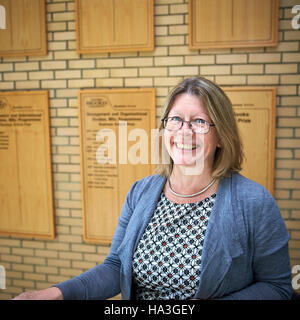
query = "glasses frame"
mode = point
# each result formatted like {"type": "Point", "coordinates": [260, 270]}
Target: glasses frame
{"type": "Point", "coordinates": [189, 122]}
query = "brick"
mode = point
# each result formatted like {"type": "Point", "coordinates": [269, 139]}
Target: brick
{"type": "Point", "coordinates": [54, 65]}
{"type": "Point", "coordinates": [15, 76]}
{"type": "Point", "coordinates": [213, 70]}
{"type": "Point", "coordinates": [290, 101]}
{"type": "Point", "coordinates": [169, 20]}
{"type": "Point", "coordinates": [184, 71]}
{"type": "Point", "coordinates": [83, 248]}
{"type": "Point", "coordinates": [22, 251]}
{"type": "Point", "coordinates": [115, 82]}
{"type": "Point", "coordinates": [288, 122]}
{"type": "Point", "coordinates": [59, 263]}
{"type": "Point", "coordinates": [138, 62]}
{"type": "Point", "coordinates": [6, 67]}
{"type": "Point", "coordinates": [53, 84]}
{"type": "Point", "coordinates": [168, 61]}
{"type": "Point", "coordinates": [292, 35]}
{"type": "Point", "coordinates": [40, 75]}
{"type": "Point", "coordinates": [153, 71]}
{"type": "Point", "coordinates": [34, 276]}
{"type": "Point", "coordinates": [26, 66]}
{"type": "Point", "coordinates": [56, 45]}
{"type": "Point", "coordinates": [200, 59]}
{"type": "Point", "coordinates": [263, 79]}
{"type": "Point", "coordinates": [288, 164]}
{"type": "Point", "coordinates": [110, 63]}
{"type": "Point", "coordinates": [230, 80]}
{"type": "Point", "coordinates": [166, 81]}
{"type": "Point", "coordinates": [290, 79]}
{"type": "Point", "coordinates": [66, 93]}
{"type": "Point", "coordinates": [65, 55]}
{"type": "Point", "coordinates": [27, 85]}
{"type": "Point", "coordinates": [56, 7]}
{"type": "Point", "coordinates": [291, 57]}
{"type": "Point", "coordinates": [174, 30]}
{"type": "Point", "coordinates": [86, 83]}
{"type": "Point", "coordinates": [170, 40]}
{"type": "Point", "coordinates": [139, 82]}
{"type": "Point", "coordinates": [283, 174]}
{"type": "Point", "coordinates": [288, 184]}
{"type": "Point", "coordinates": [101, 73]}
{"type": "Point", "coordinates": [63, 16]}
{"type": "Point", "coordinates": [281, 68]}
{"type": "Point", "coordinates": [6, 85]}
{"type": "Point", "coordinates": [231, 58]}
{"type": "Point", "coordinates": [124, 72]}
{"type": "Point", "coordinates": [67, 74]}
{"type": "Point", "coordinates": [247, 69]}
{"type": "Point", "coordinates": [292, 224]}
{"type": "Point", "coordinates": [264, 57]}
{"type": "Point", "coordinates": [286, 90]}
{"type": "Point", "coordinates": [82, 64]}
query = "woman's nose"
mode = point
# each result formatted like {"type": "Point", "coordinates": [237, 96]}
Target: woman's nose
{"type": "Point", "coordinates": [186, 126]}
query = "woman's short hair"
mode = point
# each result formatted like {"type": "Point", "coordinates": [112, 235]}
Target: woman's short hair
{"type": "Point", "coordinates": [229, 157]}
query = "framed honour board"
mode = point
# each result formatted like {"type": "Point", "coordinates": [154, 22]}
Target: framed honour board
{"type": "Point", "coordinates": [255, 111]}
{"type": "Point", "coordinates": [114, 26]}
{"type": "Point", "coordinates": [115, 131]}
{"type": "Point", "coordinates": [232, 23]}
{"type": "Point", "coordinates": [26, 200]}
{"type": "Point", "coordinates": [23, 32]}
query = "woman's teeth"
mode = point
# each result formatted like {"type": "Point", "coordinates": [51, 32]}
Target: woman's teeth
{"type": "Point", "coordinates": [185, 146]}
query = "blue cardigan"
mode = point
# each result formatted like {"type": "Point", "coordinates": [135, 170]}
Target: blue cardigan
{"type": "Point", "coordinates": [245, 252]}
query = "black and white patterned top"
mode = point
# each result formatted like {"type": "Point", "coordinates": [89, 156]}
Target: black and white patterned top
{"type": "Point", "coordinates": [167, 260]}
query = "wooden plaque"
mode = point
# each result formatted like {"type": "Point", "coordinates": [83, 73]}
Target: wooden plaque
{"type": "Point", "coordinates": [255, 111]}
{"type": "Point", "coordinates": [25, 28]}
{"type": "Point", "coordinates": [26, 201]}
{"type": "Point", "coordinates": [114, 26]}
{"type": "Point", "coordinates": [115, 132]}
{"type": "Point", "coordinates": [232, 23]}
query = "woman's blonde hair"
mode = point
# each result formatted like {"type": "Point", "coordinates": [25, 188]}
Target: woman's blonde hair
{"type": "Point", "coordinates": [229, 157]}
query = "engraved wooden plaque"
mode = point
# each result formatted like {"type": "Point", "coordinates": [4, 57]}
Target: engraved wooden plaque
{"type": "Point", "coordinates": [24, 32]}
{"type": "Point", "coordinates": [255, 111]}
{"type": "Point", "coordinates": [114, 26]}
{"type": "Point", "coordinates": [26, 201]}
{"type": "Point", "coordinates": [115, 131]}
{"type": "Point", "coordinates": [232, 23]}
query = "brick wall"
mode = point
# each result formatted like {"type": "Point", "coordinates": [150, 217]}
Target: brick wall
{"type": "Point", "coordinates": [36, 264]}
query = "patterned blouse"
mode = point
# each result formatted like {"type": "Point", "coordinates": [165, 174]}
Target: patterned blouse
{"type": "Point", "coordinates": [167, 260]}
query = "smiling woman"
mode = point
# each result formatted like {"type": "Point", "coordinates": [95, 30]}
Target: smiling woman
{"type": "Point", "coordinates": [205, 233]}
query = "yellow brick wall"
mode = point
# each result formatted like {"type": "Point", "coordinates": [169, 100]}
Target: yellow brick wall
{"type": "Point", "coordinates": [36, 264]}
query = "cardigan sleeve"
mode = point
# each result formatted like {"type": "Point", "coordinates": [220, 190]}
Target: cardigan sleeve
{"type": "Point", "coordinates": [102, 281]}
{"type": "Point", "coordinates": [271, 263]}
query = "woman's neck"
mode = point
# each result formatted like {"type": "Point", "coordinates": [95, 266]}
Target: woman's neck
{"type": "Point", "coordinates": [189, 184]}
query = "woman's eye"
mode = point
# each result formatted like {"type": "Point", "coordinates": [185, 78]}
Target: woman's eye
{"type": "Point", "coordinates": [201, 121]}
{"type": "Point", "coordinates": [175, 119]}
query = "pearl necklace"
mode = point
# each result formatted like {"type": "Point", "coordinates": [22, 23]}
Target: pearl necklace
{"type": "Point", "coordinates": [191, 195]}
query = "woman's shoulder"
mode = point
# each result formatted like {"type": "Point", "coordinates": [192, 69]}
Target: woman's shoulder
{"type": "Point", "coordinates": [150, 185]}
{"type": "Point", "coordinates": [246, 188]}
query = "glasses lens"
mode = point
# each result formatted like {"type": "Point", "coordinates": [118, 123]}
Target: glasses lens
{"type": "Point", "coordinates": [173, 124]}
{"type": "Point", "coordinates": [200, 126]}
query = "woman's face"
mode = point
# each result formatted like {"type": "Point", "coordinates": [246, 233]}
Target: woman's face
{"type": "Point", "coordinates": [185, 147]}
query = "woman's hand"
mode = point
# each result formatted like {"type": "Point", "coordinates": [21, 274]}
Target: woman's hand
{"type": "Point", "coordinates": [52, 293]}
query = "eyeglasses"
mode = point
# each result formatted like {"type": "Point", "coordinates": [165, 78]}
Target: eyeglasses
{"type": "Point", "coordinates": [176, 123]}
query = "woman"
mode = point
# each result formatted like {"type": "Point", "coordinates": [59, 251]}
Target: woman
{"type": "Point", "coordinates": [197, 229]}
